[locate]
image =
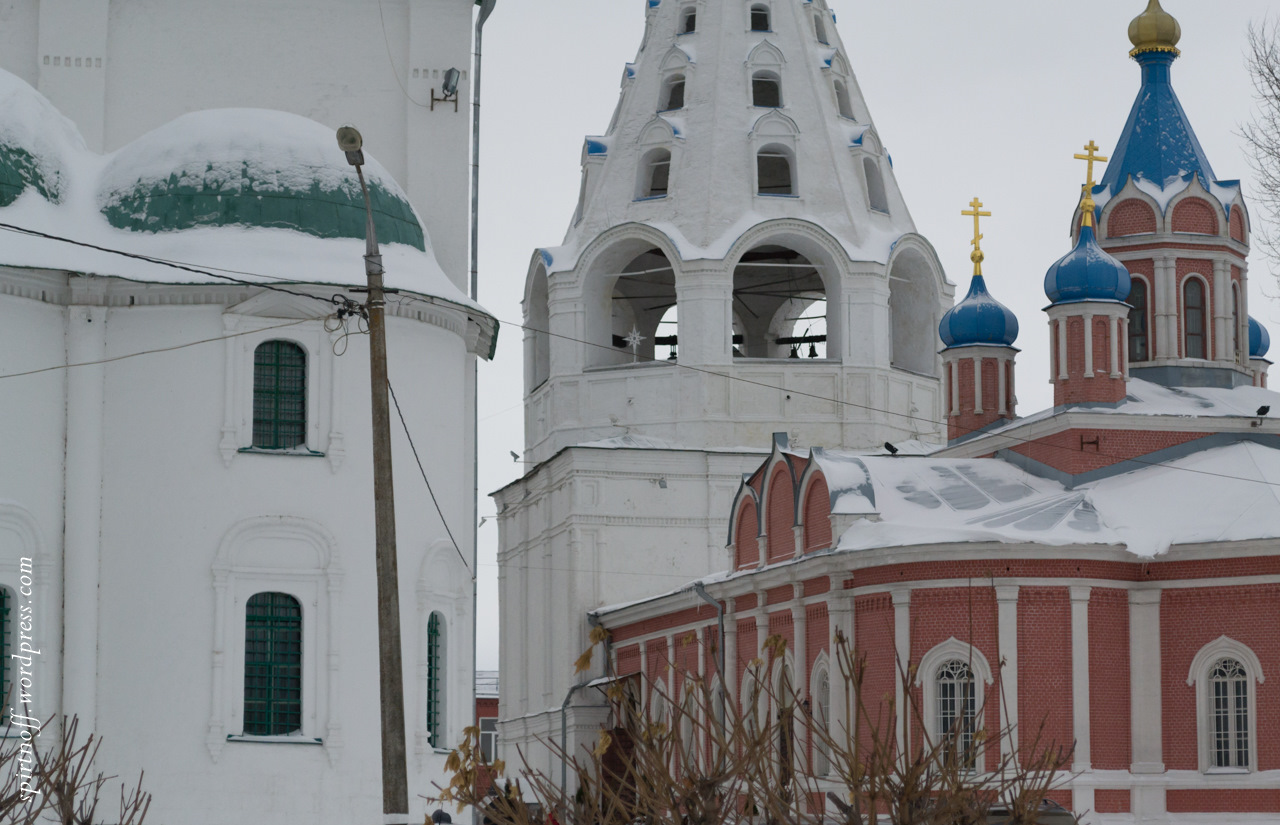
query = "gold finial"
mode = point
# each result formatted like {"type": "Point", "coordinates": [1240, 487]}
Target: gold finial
{"type": "Point", "coordinates": [977, 214]}
{"type": "Point", "coordinates": [1155, 30]}
{"type": "Point", "coordinates": [1091, 156]}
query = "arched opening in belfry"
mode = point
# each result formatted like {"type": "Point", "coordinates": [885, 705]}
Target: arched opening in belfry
{"type": "Point", "coordinates": [779, 305]}
{"type": "Point", "coordinates": [913, 312]}
{"type": "Point", "coordinates": [537, 332]}
{"type": "Point", "coordinates": [643, 325]}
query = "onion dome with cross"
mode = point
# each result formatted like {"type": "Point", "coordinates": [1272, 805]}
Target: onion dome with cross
{"type": "Point", "coordinates": [979, 319]}
{"type": "Point", "coordinates": [1087, 273]}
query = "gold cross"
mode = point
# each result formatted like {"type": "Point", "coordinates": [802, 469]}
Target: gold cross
{"type": "Point", "coordinates": [977, 214]}
{"type": "Point", "coordinates": [1091, 158]}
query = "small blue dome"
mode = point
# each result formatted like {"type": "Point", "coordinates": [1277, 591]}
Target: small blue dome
{"type": "Point", "coordinates": [979, 319]}
{"type": "Point", "coordinates": [1259, 339]}
{"type": "Point", "coordinates": [1087, 273]}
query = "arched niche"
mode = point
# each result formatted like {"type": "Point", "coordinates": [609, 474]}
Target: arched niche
{"type": "Point", "coordinates": [537, 340]}
{"type": "Point", "coordinates": [913, 311]}
{"type": "Point", "coordinates": [631, 288]}
{"type": "Point", "coordinates": [780, 304]}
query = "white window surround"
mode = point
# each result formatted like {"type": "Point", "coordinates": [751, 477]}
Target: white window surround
{"type": "Point", "coordinates": [1206, 314]}
{"type": "Point", "coordinates": [926, 679]}
{"type": "Point", "coordinates": [255, 322]}
{"type": "Point", "coordinates": [822, 715]}
{"type": "Point", "coordinates": [440, 580]}
{"type": "Point", "coordinates": [277, 554]}
{"type": "Point", "coordinates": [1223, 647]}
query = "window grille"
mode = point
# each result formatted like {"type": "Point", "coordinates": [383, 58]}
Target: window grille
{"type": "Point", "coordinates": [6, 669]}
{"type": "Point", "coordinates": [279, 396]}
{"type": "Point", "coordinates": [1229, 689]}
{"type": "Point", "coordinates": [272, 665]}
{"type": "Point", "coordinates": [1138, 340]}
{"type": "Point", "coordinates": [435, 681]}
{"type": "Point", "coordinates": [957, 712]}
{"type": "Point", "coordinates": [1193, 317]}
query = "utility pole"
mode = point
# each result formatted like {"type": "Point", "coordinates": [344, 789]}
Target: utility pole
{"type": "Point", "coordinates": [395, 779]}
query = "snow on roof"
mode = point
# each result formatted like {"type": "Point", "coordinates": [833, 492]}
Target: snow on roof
{"type": "Point", "coordinates": [486, 684]}
{"type": "Point", "coordinates": [299, 153]}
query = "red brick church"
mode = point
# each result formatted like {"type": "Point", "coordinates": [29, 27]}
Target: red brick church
{"type": "Point", "coordinates": [1110, 566]}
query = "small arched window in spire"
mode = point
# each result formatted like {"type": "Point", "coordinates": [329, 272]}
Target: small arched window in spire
{"type": "Point", "coordinates": [760, 18]}
{"type": "Point", "coordinates": [656, 174]}
{"type": "Point", "coordinates": [773, 171]}
{"type": "Point", "coordinates": [842, 100]}
{"type": "Point", "coordinates": [672, 93]}
{"type": "Point", "coordinates": [766, 89]}
{"type": "Point", "coordinates": [1193, 317]}
{"type": "Point", "coordinates": [819, 28]}
{"type": "Point", "coordinates": [877, 199]}
{"type": "Point", "coordinates": [689, 20]}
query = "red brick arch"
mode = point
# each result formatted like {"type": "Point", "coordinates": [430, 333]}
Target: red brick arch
{"type": "Point", "coordinates": [1131, 217]}
{"type": "Point", "coordinates": [1237, 224]}
{"type": "Point", "coordinates": [746, 547]}
{"type": "Point", "coordinates": [817, 516]}
{"type": "Point", "coordinates": [782, 516]}
{"type": "Point", "coordinates": [1195, 215]}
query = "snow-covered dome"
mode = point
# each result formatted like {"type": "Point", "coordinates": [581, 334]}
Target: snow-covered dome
{"type": "Point", "coordinates": [1087, 273]}
{"type": "Point", "coordinates": [1259, 339]}
{"type": "Point", "coordinates": [978, 319]}
{"type": "Point", "coordinates": [34, 143]}
{"type": "Point", "coordinates": [250, 168]}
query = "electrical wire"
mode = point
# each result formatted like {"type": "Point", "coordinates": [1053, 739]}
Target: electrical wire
{"type": "Point", "coordinates": [151, 351]}
{"type": "Point", "coordinates": [427, 481]}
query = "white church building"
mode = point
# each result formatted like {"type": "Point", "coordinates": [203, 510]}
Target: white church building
{"type": "Point", "coordinates": [742, 182]}
{"type": "Point", "coordinates": [185, 455]}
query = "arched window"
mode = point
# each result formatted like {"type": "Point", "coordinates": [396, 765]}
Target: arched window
{"type": "Point", "coordinates": [640, 309]}
{"type": "Point", "coordinates": [820, 28]}
{"type": "Point", "coordinates": [1235, 320]}
{"type": "Point", "coordinates": [773, 171]}
{"type": "Point", "coordinates": [279, 396]}
{"type": "Point", "coordinates": [538, 335]}
{"type": "Point", "coordinates": [822, 721]}
{"type": "Point", "coordinates": [655, 177]}
{"type": "Point", "coordinates": [689, 20]}
{"type": "Point", "coordinates": [689, 730]}
{"type": "Point", "coordinates": [1138, 337]}
{"type": "Point", "coordinates": [781, 306]}
{"type": "Point", "coordinates": [760, 18]}
{"type": "Point", "coordinates": [672, 93]}
{"type": "Point", "coordinates": [272, 665]}
{"type": "Point", "coordinates": [957, 712]}
{"type": "Point", "coordinates": [766, 90]}
{"type": "Point", "coordinates": [876, 197]}
{"type": "Point", "coordinates": [435, 681]}
{"type": "Point", "coordinates": [842, 100]}
{"type": "Point", "coordinates": [1229, 692]}
{"type": "Point", "coordinates": [1193, 317]}
{"type": "Point", "coordinates": [786, 725]}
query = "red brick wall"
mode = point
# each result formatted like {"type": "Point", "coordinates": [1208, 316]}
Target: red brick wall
{"type": "Point", "coordinates": [1077, 389]}
{"type": "Point", "coordinates": [817, 637]}
{"type": "Point", "coordinates": [782, 624]}
{"type": "Point", "coordinates": [1189, 620]}
{"type": "Point", "coordinates": [748, 646]}
{"type": "Point", "coordinates": [1131, 217]}
{"type": "Point", "coordinates": [746, 544]}
{"type": "Point", "coordinates": [1109, 729]}
{"type": "Point", "coordinates": [1237, 224]}
{"type": "Point", "coordinates": [1222, 801]}
{"type": "Point", "coordinates": [937, 614]}
{"type": "Point", "coordinates": [968, 421]}
{"type": "Point", "coordinates": [1044, 669]}
{"type": "Point", "coordinates": [1063, 451]}
{"type": "Point", "coordinates": [873, 634]}
{"type": "Point", "coordinates": [1111, 801]}
{"type": "Point", "coordinates": [1195, 215]}
{"type": "Point", "coordinates": [628, 660]}
{"type": "Point", "coordinates": [782, 516]}
{"type": "Point", "coordinates": [817, 516]}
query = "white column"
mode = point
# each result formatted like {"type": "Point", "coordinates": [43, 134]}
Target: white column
{"type": "Point", "coordinates": [1223, 332]}
{"type": "Point", "coordinates": [977, 385]}
{"type": "Point", "coordinates": [1002, 384]}
{"type": "Point", "coordinates": [1173, 347]}
{"type": "Point", "coordinates": [955, 387]}
{"type": "Point", "coordinates": [1145, 703]}
{"type": "Point", "coordinates": [840, 618]}
{"type": "Point", "coordinates": [1063, 375]}
{"type": "Point", "coordinates": [1088, 344]}
{"type": "Point", "coordinates": [1080, 676]}
{"type": "Point", "coordinates": [800, 627]}
{"type": "Point", "coordinates": [86, 341]}
{"type": "Point", "coordinates": [1007, 620]}
{"type": "Point", "coordinates": [730, 641]}
{"type": "Point", "coordinates": [902, 648]}
{"type": "Point", "coordinates": [1116, 323]}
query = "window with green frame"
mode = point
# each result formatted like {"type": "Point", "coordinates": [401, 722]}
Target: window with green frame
{"type": "Point", "coordinates": [279, 396]}
{"type": "Point", "coordinates": [6, 672]}
{"type": "Point", "coordinates": [272, 665]}
{"type": "Point", "coordinates": [435, 680]}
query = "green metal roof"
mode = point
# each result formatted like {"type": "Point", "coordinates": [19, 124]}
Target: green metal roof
{"type": "Point", "coordinates": [187, 200]}
{"type": "Point", "coordinates": [18, 170]}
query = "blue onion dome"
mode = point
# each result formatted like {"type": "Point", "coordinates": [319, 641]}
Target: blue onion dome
{"type": "Point", "coordinates": [251, 169]}
{"type": "Point", "coordinates": [978, 320]}
{"type": "Point", "coordinates": [1087, 273]}
{"type": "Point", "coordinates": [1259, 339]}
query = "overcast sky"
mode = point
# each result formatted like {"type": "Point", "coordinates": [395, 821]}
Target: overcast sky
{"type": "Point", "coordinates": [989, 98]}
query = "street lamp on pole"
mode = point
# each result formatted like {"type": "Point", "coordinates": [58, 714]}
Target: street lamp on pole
{"type": "Point", "coordinates": [395, 780]}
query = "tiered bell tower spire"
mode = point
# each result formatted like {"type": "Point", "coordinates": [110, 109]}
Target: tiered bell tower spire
{"type": "Point", "coordinates": [740, 215]}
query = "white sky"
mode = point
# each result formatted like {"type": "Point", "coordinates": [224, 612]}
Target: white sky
{"type": "Point", "coordinates": [988, 99]}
